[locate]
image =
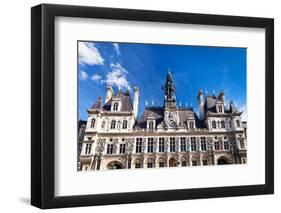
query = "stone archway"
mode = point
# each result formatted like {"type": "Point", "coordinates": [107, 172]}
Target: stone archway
{"type": "Point", "coordinates": [222, 160]}
{"type": "Point", "coordinates": [115, 165]}
{"type": "Point", "coordinates": [173, 162]}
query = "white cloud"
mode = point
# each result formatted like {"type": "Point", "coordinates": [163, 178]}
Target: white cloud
{"type": "Point", "coordinates": [83, 75]}
{"type": "Point", "coordinates": [89, 54]}
{"type": "Point", "coordinates": [116, 47]}
{"type": "Point", "coordinates": [117, 77]}
{"type": "Point", "coordinates": [96, 77]}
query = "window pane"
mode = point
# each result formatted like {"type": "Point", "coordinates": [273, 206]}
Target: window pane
{"type": "Point", "coordinates": [193, 144]}
{"type": "Point", "coordinates": [161, 144]}
{"type": "Point", "coordinates": [150, 145]}
{"type": "Point", "coordinates": [172, 145]}
{"type": "Point", "coordinates": [139, 145]}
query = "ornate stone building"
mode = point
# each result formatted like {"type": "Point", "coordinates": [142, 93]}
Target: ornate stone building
{"type": "Point", "coordinates": [168, 136]}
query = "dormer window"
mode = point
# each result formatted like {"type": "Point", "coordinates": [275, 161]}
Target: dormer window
{"type": "Point", "coordinates": [93, 122]}
{"type": "Point", "coordinates": [150, 125]}
{"type": "Point", "coordinates": [220, 109]}
{"type": "Point", "coordinates": [115, 106]}
{"type": "Point", "coordinates": [191, 125]}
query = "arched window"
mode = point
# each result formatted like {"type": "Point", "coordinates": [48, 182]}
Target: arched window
{"type": "Point", "coordinates": [183, 162]}
{"type": "Point", "coordinates": [149, 163]}
{"type": "Point", "coordinates": [223, 124]}
{"type": "Point", "coordinates": [125, 124]}
{"type": "Point", "coordinates": [150, 125]}
{"type": "Point", "coordinates": [220, 108]}
{"type": "Point", "coordinates": [214, 125]}
{"type": "Point", "coordinates": [194, 162]}
{"type": "Point", "coordinates": [113, 124]}
{"type": "Point", "coordinates": [173, 162]}
{"type": "Point", "coordinates": [115, 107]}
{"type": "Point", "coordinates": [205, 162]}
{"type": "Point", "coordinates": [237, 123]}
{"type": "Point", "coordinates": [93, 122]}
{"type": "Point", "coordinates": [138, 163]}
{"type": "Point", "coordinates": [161, 162]}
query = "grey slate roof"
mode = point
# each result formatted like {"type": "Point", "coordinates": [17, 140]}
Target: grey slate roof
{"type": "Point", "coordinates": [126, 103]}
{"type": "Point", "coordinates": [97, 104]}
{"type": "Point", "coordinates": [157, 112]}
{"type": "Point", "coordinates": [210, 105]}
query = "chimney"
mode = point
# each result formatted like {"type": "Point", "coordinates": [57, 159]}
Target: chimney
{"type": "Point", "coordinates": [200, 103]}
{"type": "Point", "coordinates": [109, 93]}
{"type": "Point", "coordinates": [221, 96]}
{"type": "Point", "coordinates": [136, 101]}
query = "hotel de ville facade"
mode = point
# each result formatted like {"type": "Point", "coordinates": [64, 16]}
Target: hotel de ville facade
{"type": "Point", "coordinates": [113, 137]}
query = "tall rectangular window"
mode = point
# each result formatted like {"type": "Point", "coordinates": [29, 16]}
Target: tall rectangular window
{"type": "Point", "coordinates": [93, 122]}
{"type": "Point", "coordinates": [193, 144]}
{"type": "Point", "coordinates": [191, 125]}
{"type": "Point", "coordinates": [150, 145]}
{"type": "Point", "coordinates": [109, 149]}
{"type": "Point", "coordinates": [88, 148]}
{"type": "Point", "coordinates": [172, 145]}
{"type": "Point", "coordinates": [226, 145]}
{"type": "Point", "coordinates": [237, 123]}
{"type": "Point", "coordinates": [161, 144]}
{"type": "Point", "coordinates": [125, 124]}
{"type": "Point", "coordinates": [203, 144]}
{"type": "Point", "coordinates": [183, 144]}
{"type": "Point", "coordinates": [217, 145]}
{"type": "Point", "coordinates": [122, 148]}
{"type": "Point", "coordinates": [242, 144]}
{"type": "Point", "coordinates": [139, 145]}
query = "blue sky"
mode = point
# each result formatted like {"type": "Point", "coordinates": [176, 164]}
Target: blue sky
{"type": "Point", "coordinates": [125, 65]}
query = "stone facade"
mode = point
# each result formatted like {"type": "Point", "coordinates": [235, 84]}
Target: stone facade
{"type": "Point", "coordinates": [168, 136]}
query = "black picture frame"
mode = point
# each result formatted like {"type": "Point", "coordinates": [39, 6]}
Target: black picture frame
{"type": "Point", "coordinates": [43, 102]}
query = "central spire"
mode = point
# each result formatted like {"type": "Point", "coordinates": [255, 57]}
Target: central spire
{"type": "Point", "coordinates": [170, 97]}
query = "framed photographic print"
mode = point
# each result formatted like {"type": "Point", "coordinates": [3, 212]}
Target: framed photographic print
{"type": "Point", "coordinates": [141, 106]}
